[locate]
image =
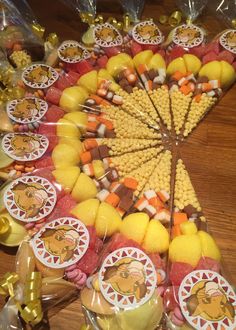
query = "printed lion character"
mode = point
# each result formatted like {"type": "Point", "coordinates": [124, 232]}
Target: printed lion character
{"type": "Point", "coordinates": [188, 34]}
{"type": "Point", "coordinates": [107, 34]}
{"type": "Point", "coordinates": [231, 39]}
{"type": "Point", "coordinates": [30, 198]}
{"type": "Point", "coordinates": [127, 278]}
{"type": "Point", "coordinates": [211, 303]}
{"type": "Point", "coordinates": [39, 75]}
{"type": "Point", "coordinates": [26, 108]}
{"type": "Point", "coordinates": [61, 242]}
{"type": "Point", "coordinates": [24, 144]}
{"type": "Point", "coordinates": [71, 52]}
{"type": "Point", "coordinates": [147, 31]}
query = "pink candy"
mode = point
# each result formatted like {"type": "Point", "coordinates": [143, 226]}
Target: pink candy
{"type": "Point", "coordinates": [76, 276]}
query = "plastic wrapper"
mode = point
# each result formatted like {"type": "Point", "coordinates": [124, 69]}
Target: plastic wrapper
{"type": "Point", "coordinates": [21, 44]}
{"type": "Point", "coordinates": [133, 8]}
{"type": "Point", "coordinates": [198, 294]}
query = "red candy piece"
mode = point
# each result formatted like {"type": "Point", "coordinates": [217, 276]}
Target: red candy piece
{"type": "Point", "coordinates": [234, 65]}
{"type": "Point", "coordinates": [83, 67]}
{"type": "Point", "coordinates": [66, 203]}
{"type": "Point", "coordinates": [89, 262]}
{"type": "Point", "coordinates": [73, 77]}
{"type": "Point", "coordinates": [63, 82]}
{"type": "Point", "coordinates": [178, 272]}
{"type": "Point", "coordinates": [211, 56]}
{"type": "Point", "coordinates": [44, 162]}
{"type": "Point", "coordinates": [49, 130]}
{"type": "Point", "coordinates": [94, 242]}
{"type": "Point", "coordinates": [161, 52]}
{"type": "Point", "coordinates": [63, 206]}
{"type": "Point", "coordinates": [54, 113]}
{"type": "Point", "coordinates": [53, 95]}
{"type": "Point", "coordinates": [170, 298]}
{"type": "Point", "coordinates": [102, 61]}
{"type": "Point", "coordinates": [45, 173]}
{"type": "Point", "coordinates": [213, 47]}
{"type": "Point", "coordinates": [153, 48]}
{"type": "Point", "coordinates": [175, 52]}
{"type": "Point", "coordinates": [156, 259]}
{"type": "Point", "coordinates": [208, 264]}
{"type": "Point", "coordinates": [136, 48]}
{"type": "Point", "coordinates": [111, 51]}
{"type": "Point", "coordinates": [227, 56]}
{"type": "Point", "coordinates": [198, 51]}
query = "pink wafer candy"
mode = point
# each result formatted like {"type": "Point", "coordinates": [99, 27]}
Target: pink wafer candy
{"type": "Point", "coordinates": [70, 268]}
{"type": "Point", "coordinates": [177, 317]}
{"type": "Point", "coordinates": [29, 225]}
{"type": "Point", "coordinates": [73, 274]}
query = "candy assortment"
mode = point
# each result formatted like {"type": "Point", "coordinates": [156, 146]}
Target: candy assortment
{"type": "Point", "coordinates": [96, 194]}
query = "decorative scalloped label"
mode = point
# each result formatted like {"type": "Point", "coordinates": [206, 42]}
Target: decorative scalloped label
{"type": "Point", "coordinates": [39, 76]}
{"type": "Point", "coordinates": [147, 33]}
{"type": "Point", "coordinates": [188, 35]}
{"type": "Point", "coordinates": [127, 278]}
{"type": "Point", "coordinates": [27, 110]}
{"type": "Point", "coordinates": [207, 301]}
{"type": "Point", "coordinates": [24, 146]}
{"type": "Point", "coordinates": [72, 51]}
{"type": "Point", "coordinates": [30, 198]}
{"type": "Point", "coordinates": [228, 40]}
{"type": "Point", "coordinates": [61, 243]}
{"type": "Point", "coordinates": [106, 35]}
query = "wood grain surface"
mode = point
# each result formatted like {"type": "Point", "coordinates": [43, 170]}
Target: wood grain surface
{"type": "Point", "coordinates": [209, 153]}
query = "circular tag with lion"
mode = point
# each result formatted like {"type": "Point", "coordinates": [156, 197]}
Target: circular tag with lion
{"type": "Point", "coordinates": [207, 301]}
{"type": "Point", "coordinates": [147, 33]}
{"type": "Point", "coordinates": [127, 278]}
{"type": "Point", "coordinates": [72, 51]}
{"type": "Point", "coordinates": [30, 198]}
{"type": "Point", "coordinates": [188, 35]}
{"type": "Point", "coordinates": [106, 35]}
{"type": "Point", "coordinates": [61, 243]}
{"type": "Point", "coordinates": [24, 146]}
{"type": "Point", "coordinates": [27, 110]}
{"type": "Point", "coordinates": [228, 40]}
{"type": "Point", "coordinates": [39, 76]}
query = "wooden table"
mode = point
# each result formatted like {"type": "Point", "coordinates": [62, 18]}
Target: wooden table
{"type": "Point", "coordinates": [209, 154]}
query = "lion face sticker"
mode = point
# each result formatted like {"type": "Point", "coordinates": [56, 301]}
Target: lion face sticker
{"type": "Point", "coordinates": [39, 76]}
{"type": "Point", "coordinates": [26, 110]}
{"type": "Point", "coordinates": [147, 33]}
{"type": "Point", "coordinates": [30, 198]}
{"type": "Point", "coordinates": [208, 301]}
{"type": "Point", "coordinates": [105, 35]}
{"type": "Point", "coordinates": [72, 52]}
{"type": "Point", "coordinates": [228, 40]}
{"type": "Point", "coordinates": [127, 278]}
{"type": "Point", "coordinates": [188, 35]}
{"type": "Point", "coordinates": [24, 146]}
{"type": "Point", "coordinates": [61, 243]}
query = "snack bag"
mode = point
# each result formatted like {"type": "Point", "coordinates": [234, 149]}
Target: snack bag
{"type": "Point", "coordinates": [198, 295]}
{"type": "Point", "coordinates": [21, 44]}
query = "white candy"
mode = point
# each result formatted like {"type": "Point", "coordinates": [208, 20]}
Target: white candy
{"type": "Point", "coordinates": [101, 130]}
{"type": "Point", "coordinates": [150, 194]}
{"type": "Point", "coordinates": [151, 210]}
{"type": "Point", "coordinates": [143, 205]}
{"type": "Point", "coordinates": [102, 195]}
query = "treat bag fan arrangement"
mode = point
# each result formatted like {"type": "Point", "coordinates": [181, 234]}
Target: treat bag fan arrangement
{"type": "Point", "coordinates": [20, 38]}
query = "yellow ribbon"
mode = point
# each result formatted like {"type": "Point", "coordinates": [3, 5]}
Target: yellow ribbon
{"type": "Point", "coordinates": [38, 30]}
{"type": "Point", "coordinates": [4, 225]}
{"type": "Point", "coordinates": [6, 284]}
{"type": "Point", "coordinates": [233, 22]}
{"type": "Point", "coordinates": [175, 18]}
{"type": "Point", "coordinates": [53, 39]}
{"type": "Point", "coordinates": [31, 309]}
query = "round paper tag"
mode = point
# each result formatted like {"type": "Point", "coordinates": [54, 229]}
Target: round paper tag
{"type": "Point", "coordinates": [39, 76]}
{"type": "Point", "coordinates": [147, 33]}
{"type": "Point", "coordinates": [27, 110]}
{"type": "Point", "coordinates": [207, 301]}
{"type": "Point", "coordinates": [188, 35]}
{"type": "Point", "coordinates": [30, 198]}
{"type": "Point", "coordinates": [127, 278]}
{"type": "Point", "coordinates": [71, 51]}
{"type": "Point", "coordinates": [106, 35]}
{"type": "Point", "coordinates": [24, 146]}
{"type": "Point", "coordinates": [228, 40]}
{"type": "Point", "coordinates": [61, 243]}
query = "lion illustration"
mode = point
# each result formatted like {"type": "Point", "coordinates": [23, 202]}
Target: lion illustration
{"type": "Point", "coordinates": [39, 75]}
{"type": "Point", "coordinates": [30, 198]}
{"type": "Point", "coordinates": [23, 145]}
{"type": "Point", "coordinates": [26, 108]}
{"type": "Point", "coordinates": [107, 34]}
{"type": "Point", "coordinates": [61, 242]}
{"type": "Point", "coordinates": [210, 302]}
{"type": "Point", "coordinates": [188, 35]}
{"type": "Point", "coordinates": [127, 278]}
{"type": "Point", "coordinates": [231, 39]}
{"type": "Point", "coordinates": [148, 31]}
{"type": "Point", "coordinates": [71, 52]}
